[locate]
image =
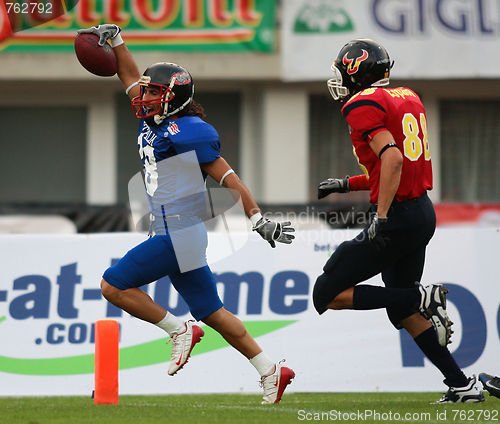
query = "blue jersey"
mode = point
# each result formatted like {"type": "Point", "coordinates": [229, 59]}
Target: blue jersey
{"type": "Point", "coordinates": [175, 186]}
{"type": "Point", "coordinates": [172, 153]}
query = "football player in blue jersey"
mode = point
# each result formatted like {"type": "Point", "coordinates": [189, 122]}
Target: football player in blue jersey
{"type": "Point", "coordinates": [172, 138]}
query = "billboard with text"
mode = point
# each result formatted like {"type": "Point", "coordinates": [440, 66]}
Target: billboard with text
{"type": "Point", "coordinates": [200, 25]}
{"type": "Point", "coordinates": [426, 38]}
{"type": "Point", "coordinates": [50, 299]}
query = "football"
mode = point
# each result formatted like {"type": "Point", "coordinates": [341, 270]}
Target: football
{"type": "Point", "coordinates": [99, 60]}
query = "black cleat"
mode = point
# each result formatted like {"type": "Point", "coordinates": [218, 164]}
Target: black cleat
{"type": "Point", "coordinates": [490, 383]}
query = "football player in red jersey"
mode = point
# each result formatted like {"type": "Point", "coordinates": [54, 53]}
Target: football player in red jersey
{"type": "Point", "coordinates": [388, 128]}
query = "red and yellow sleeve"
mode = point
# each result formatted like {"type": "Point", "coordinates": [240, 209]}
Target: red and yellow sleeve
{"type": "Point", "coordinates": [359, 182]}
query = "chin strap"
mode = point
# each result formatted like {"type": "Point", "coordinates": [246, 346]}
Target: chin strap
{"type": "Point", "coordinates": [159, 119]}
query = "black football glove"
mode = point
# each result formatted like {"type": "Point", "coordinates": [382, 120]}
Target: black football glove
{"type": "Point", "coordinates": [274, 231]}
{"type": "Point", "coordinates": [376, 232]}
{"type": "Point", "coordinates": [104, 32]}
{"type": "Point", "coordinates": [333, 185]}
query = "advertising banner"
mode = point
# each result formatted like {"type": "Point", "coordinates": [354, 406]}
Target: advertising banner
{"type": "Point", "coordinates": [426, 38]}
{"type": "Point", "coordinates": [187, 25]}
{"type": "Point", "coordinates": [50, 300]}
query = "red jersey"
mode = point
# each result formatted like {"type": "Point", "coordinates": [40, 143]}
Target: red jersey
{"type": "Point", "coordinates": [399, 111]}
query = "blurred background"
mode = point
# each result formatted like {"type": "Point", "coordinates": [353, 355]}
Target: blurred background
{"type": "Point", "coordinates": [260, 67]}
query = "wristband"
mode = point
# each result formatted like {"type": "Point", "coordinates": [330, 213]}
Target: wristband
{"type": "Point", "coordinates": [116, 40]}
{"type": "Point", "coordinates": [255, 218]}
{"type": "Point", "coordinates": [130, 87]}
{"type": "Point", "coordinates": [229, 171]}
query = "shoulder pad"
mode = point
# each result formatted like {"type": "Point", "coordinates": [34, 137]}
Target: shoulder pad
{"type": "Point", "coordinates": [364, 93]}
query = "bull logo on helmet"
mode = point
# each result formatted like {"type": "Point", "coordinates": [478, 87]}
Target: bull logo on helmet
{"type": "Point", "coordinates": [353, 64]}
{"type": "Point", "coordinates": [181, 78]}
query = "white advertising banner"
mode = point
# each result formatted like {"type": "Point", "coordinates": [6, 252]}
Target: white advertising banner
{"type": "Point", "coordinates": [426, 38]}
{"type": "Point", "coordinates": [50, 298]}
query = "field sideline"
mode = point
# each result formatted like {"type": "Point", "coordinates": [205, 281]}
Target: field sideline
{"type": "Point", "coordinates": [246, 409]}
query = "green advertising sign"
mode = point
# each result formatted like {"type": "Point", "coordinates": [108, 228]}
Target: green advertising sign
{"type": "Point", "coordinates": [182, 25]}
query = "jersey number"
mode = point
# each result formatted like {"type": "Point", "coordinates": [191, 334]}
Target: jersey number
{"type": "Point", "coordinates": [147, 155]}
{"type": "Point", "coordinates": [412, 144]}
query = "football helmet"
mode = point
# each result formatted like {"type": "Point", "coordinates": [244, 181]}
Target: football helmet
{"type": "Point", "coordinates": [360, 64]}
{"type": "Point", "coordinates": [175, 88]}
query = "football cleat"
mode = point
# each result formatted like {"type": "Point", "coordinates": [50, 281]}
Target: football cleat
{"type": "Point", "coordinates": [466, 394]}
{"type": "Point", "coordinates": [433, 307]}
{"type": "Point", "coordinates": [274, 384]}
{"type": "Point", "coordinates": [182, 345]}
{"type": "Point", "coordinates": [490, 383]}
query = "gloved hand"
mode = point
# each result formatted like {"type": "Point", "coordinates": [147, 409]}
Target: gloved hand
{"type": "Point", "coordinates": [104, 32]}
{"type": "Point", "coordinates": [274, 231]}
{"type": "Point", "coordinates": [333, 185]}
{"type": "Point", "coordinates": [376, 232]}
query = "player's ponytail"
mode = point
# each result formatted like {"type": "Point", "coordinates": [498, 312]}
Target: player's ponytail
{"type": "Point", "coordinates": [194, 109]}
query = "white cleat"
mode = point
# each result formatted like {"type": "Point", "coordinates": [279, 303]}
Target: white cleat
{"type": "Point", "coordinates": [274, 384]}
{"type": "Point", "coordinates": [433, 307]}
{"type": "Point", "coordinates": [467, 394]}
{"type": "Point", "coordinates": [182, 345]}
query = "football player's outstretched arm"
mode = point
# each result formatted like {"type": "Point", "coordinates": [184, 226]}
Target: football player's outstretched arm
{"type": "Point", "coordinates": [343, 185]}
{"type": "Point", "coordinates": [128, 72]}
{"type": "Point", "coordinates": [218, 169]}
{"type": "Point", "coordinates": [269, 230]}
{"type": "Point", "coordinates": [127, 68]}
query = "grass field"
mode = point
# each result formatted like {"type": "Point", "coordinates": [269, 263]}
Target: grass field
{"type": "Point", "coordinates": [246, 409]}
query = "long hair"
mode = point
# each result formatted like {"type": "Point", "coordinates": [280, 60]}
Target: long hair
{"type": "Point", "coordinates": [194, 109]}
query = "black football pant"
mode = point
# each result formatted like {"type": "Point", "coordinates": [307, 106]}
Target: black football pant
{"type": "Point", "coordinates": [410, 226]}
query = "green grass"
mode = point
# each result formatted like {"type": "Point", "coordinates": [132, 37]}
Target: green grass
{"type": "Point", "coordinates": [246, 409]}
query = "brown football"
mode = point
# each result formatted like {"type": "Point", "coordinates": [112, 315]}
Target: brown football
{"type": "Point", "coordinates": [99, 60]}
